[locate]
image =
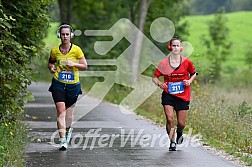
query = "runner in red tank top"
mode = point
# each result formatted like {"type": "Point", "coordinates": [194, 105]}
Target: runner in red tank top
{"type": "Point", "coordinates": [178, 73]}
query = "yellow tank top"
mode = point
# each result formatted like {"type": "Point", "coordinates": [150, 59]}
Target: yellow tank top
{"type": "Point", "coordinates": [65, 74]}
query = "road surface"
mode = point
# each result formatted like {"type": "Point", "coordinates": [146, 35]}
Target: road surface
{"type": "Point", "coordinates": [105, 136]}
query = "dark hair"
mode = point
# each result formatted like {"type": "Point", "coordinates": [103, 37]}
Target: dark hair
{"type": "Point", "coordinates": [175, 37]}
{"type": "Point", "coordinates": [65, 25]}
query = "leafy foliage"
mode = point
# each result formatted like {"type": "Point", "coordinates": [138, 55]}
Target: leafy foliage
{"type": "Point", "coordinates": [101, 15]}
{"type": "Point", "coordinates": [199, 7]}
{"type": "Point", "coordinates": [218, 46]}
{"type": "Point", "coordinates": [22, 26]}
{"type": "Point", "coordinates": [248, 56]}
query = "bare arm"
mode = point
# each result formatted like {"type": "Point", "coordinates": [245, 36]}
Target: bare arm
{"type": "Point", "coordinates": [188, 82]}
{"type": "Point", "coordinates": [158, 82]}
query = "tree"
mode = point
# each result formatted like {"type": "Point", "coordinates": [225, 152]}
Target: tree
{"type": "Point", "coordinates": [102, 14]}
{"type": "Point", "coordinates": [218, 46]}
{"type": "Point", "coordinates": [248, 56]}
{"type": "Point", "coordinates": [65, 10]}
{"type": "Point", "coordinates": [208, 6]}
{"type": "Point", "coordinates": [199, 7]}
{"type": "Point", "coordinates": [144, 6]}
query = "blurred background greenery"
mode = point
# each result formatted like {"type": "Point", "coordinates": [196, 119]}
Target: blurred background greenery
{"type": "Point", "coordinates": [219, 32]}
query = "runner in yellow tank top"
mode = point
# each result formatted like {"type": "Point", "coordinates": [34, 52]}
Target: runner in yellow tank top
{"type": "Point", "coordinates": [65, 62]}
{"type": "Point", "coordinates": [65, 73]}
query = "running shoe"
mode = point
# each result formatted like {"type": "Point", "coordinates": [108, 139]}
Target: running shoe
{"type": "Point", "coordinates": [68, 135]}
{"type": "Point", "coordinates": [63, 145]}
{"type": "Point", "coordinates": [180, 138]}
{"type": "Point", "coordinates": [172, 146]}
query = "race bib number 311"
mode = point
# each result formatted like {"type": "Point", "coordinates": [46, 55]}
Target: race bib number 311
{"type": "Point", "coordinates": [66, 76]}
{"type": "Point", "coordinates": [176, 87]}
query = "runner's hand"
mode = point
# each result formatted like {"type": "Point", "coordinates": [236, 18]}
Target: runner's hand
{"type": "Point", "coordinates": [187, 82]}
{"type": "Point", "coordinates": [52, 69]}
{"type": "Point", "coordinates": [163, 86]}
{"type": "Point", "coordinates": [69, 63]}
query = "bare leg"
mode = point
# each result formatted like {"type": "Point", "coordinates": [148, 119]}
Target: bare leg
{"type": "Point", "coordinates": [181, 116]}
{"type": "Point", "coordinates": [61, 115]}
{"type": "Point", "coordinates": [69, 116]}
{"type": "Point", "coordinates": [169, 113]}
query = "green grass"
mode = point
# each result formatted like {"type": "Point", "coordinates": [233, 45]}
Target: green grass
{"type": "Point", "coordinates": [240, 34]}
{"type": "Point", "coordinates": [51, 39]}
{"type": "Point", "coordinates": [224, 125]}
{"type": "Point", "coordinates": [13, 140]}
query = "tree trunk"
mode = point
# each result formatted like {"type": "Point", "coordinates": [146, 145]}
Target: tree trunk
{"type": "Point", "coordinates": [144, 6]}
{"type": "Point", "coordinates": [65, 7]}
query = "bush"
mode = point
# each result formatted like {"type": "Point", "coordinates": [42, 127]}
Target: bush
{"type": "Point", "coordinates": [21, 39]}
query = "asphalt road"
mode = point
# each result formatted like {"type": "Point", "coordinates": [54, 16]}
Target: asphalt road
{"type": "Point", "coordinates": [105, 136]}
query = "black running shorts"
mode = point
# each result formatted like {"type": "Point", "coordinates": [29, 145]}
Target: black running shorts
{"type": "Point", "coordinates": [177, 103]}
{"type": "Point", "coordinates": [67, 93]}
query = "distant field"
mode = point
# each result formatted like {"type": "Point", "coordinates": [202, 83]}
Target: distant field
{"type": "Point", "coordinates": [239, 24]}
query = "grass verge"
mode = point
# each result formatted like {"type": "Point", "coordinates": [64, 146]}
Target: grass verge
{"type": "Point", "coordinates": [13, 139]}
{"type": "Point", "coordinates": [223, 124]}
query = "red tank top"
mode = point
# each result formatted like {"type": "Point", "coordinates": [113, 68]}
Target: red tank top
{"type": "Point", "coordinates": [174, 77]}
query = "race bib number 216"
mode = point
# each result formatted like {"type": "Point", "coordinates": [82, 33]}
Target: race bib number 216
{"type": "Point", "coordinates": [66, 76]}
